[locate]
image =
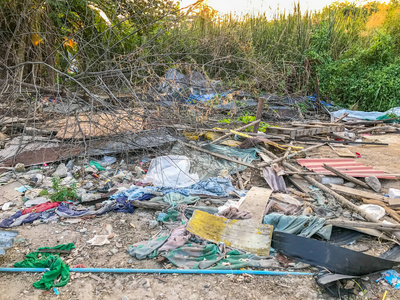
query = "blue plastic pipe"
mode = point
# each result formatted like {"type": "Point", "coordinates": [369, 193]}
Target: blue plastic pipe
{"type": "Point", "coordinates": [161, 271]}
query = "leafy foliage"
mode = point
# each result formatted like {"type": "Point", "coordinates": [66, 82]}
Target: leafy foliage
{"type": "Point", "coordinates": [62, 193]}
{"type": "Point", "coordinates": [353, 49]}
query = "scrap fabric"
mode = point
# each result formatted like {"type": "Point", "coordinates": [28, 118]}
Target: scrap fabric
{"type": "Point", "coordinates": [58, 275]}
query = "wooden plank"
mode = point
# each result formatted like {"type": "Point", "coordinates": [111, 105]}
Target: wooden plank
{"type": "Point", "coordinates": [265, 158]}
{"type": "Point", "coordinates": [238, 129]}
{"type": "Point", "coordinates": [346, 176]}
{"type": "Point", "coordinates": [394, 202]}
{"type": "Point", "coordinates": [306, 125]}
{"type": "Point", "coordinates": [360, 224]}
{"type": "Point", "coordinates": [343, 152]}
{"type": "Point", "coordinates": [341, 117]}
{"type": "Point", "coordinates": [358, 193]}
{"type": "Point", "coordinates": [255, 202]}
{"type": "Point", "coordinates": [244, 235]}
{"type": "Point", "coordinates": [300, 183]}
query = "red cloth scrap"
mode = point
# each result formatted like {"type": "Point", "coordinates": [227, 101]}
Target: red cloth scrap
{"type": "Point", "coordinates": [40, 207]}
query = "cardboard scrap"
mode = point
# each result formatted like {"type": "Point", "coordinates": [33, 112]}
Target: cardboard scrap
{"type": "Point", "coordinates": [256, 202]}
{"type": "Point", "coordinates": [100, 124]}
{"type": "Point", "coordinates": [244, 235]}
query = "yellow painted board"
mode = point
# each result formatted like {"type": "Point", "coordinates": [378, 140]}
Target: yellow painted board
{"type": "Point", "coordinates": [245, 235]}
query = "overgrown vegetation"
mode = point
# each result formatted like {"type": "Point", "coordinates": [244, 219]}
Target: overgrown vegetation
{"type": "Point", "coordinates": [248, 119]}
{"type": "Point", "coordinates": [352, 49]}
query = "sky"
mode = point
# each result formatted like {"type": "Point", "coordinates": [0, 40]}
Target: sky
{"type": "Point", "coordinates": [262, 6]}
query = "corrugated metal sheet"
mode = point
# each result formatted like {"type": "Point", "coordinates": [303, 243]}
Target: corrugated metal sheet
{"type": "Point", "coordinates": [6, 240]}
{"type": "Point", "coordinates": [346, 165]}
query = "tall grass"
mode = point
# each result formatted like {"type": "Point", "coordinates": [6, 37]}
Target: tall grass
{"type": "Point", "coordinates": [354, 50]}
{"type": "Point", "coordinates": [347, 46]}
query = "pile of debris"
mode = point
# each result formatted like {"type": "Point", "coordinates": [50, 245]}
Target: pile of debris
{"type": "Point", "coordinates": [227, 201]}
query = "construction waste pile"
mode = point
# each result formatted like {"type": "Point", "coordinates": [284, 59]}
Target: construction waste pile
{"type": "Point", "coordinates": [296, 191]}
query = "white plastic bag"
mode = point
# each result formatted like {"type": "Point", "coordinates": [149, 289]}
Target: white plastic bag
{"type": "Point", "coordinates": [170, 171]}
{"type": "Point", "coordinates": [374, 210]}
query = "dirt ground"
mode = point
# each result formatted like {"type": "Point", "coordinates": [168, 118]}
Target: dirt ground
{"type": "Point", "coordinates": [131, 228]}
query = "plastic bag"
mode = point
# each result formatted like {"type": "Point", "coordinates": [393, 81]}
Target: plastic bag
{"type": "Point", "coordinates": [170, 171]}
{"type": "Point", "coordinates": [107, 161]}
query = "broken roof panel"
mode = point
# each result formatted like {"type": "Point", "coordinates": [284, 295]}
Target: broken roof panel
{"type": "Point", "coordinates": [346, 165]}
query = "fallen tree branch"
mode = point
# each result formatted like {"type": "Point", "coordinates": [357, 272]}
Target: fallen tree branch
{"type": "Point", "coordinates": [219, 155]}
{"type": "Point", "coordinates": [346, 177]}
{"type": "Point", "coordinates": [342, 200]}
{"type": "Point", "coordinates": [238, 129]}
{"type": "Point", "coordinates": [277, 160]}
{"type": "Point", "coordinates": [359, 224]}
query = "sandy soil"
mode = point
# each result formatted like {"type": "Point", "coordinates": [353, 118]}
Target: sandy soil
{"type": "Point", "coordinates": [131, 228]}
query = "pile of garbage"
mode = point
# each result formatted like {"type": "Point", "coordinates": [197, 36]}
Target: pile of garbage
{"type": "Point", "coordinates": [230, 200]}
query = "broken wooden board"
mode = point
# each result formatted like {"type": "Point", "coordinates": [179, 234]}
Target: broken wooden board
{"type": "Point", "coordinates": [255, 202]}
{"type": "Point", "coordinates": [87, 125]}
{"type": "Point", "coordinates": [264, 157]}
{"type": "Point", "coordinates": [343, 152]}
{"type": "Point", "coordinates": [358, 193]}
{"type": "Point", "coordinates": [300, 183]}
{"type": "Point", "coordinates": [394, 202]}
{"type": "Point", "coordinates": [241, 234]}
{"type": "Point", "coordinates": [286, 199]}
{"type": "Point", "coordinates": [300, 131]}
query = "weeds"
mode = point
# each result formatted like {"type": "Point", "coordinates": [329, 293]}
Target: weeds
{"type": "Point", "coordinates": [352, 48]}
{"type": "Point", "coordinates": [248, 119]}
{"type": "Point", "coordinates": [62, 193]}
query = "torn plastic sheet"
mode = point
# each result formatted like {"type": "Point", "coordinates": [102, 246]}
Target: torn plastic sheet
{"type": "Point", "coordinates": [130, 142]}
{"type": "Point", "coordinates": [6, 240]}
{"type": "Point", "coordinates": [335, 259]}
{"type": "Point", "coordinates": [301, 225]}
{"type": "Point", "coordinates": [171, 171]}
{"type": "Point", "coordinates": [364, 115]}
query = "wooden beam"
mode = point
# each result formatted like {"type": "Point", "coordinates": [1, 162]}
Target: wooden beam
{"type": "Point", "coordinates": [342, 200]}
{"type": "Point", "coordinates": [260, 108]}
{"type": "Point", "coordinates": [359, 224]}
{"type": "Point", "coordinates": [238, 129]}
{"type": "Point", "coordinates": [346, 177]}
{"type": "Point", "coordinates": [358, 194]}
{"type": "Point", "coordinates": [240, 181]}
{"type": "Point", "coordinates": [277, 160]}
{"type": "Point", "coordinates": [341, 117]}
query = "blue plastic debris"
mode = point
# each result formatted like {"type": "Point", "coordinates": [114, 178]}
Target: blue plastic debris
{"type": "Point", "coordinates": [6, 240]}
{"type": "Point", "coordinates": [56, 291]}
{"type": "Point", "coordinates": [392, 277]}
{"type": "Point", "coordinates": [23, 188]}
